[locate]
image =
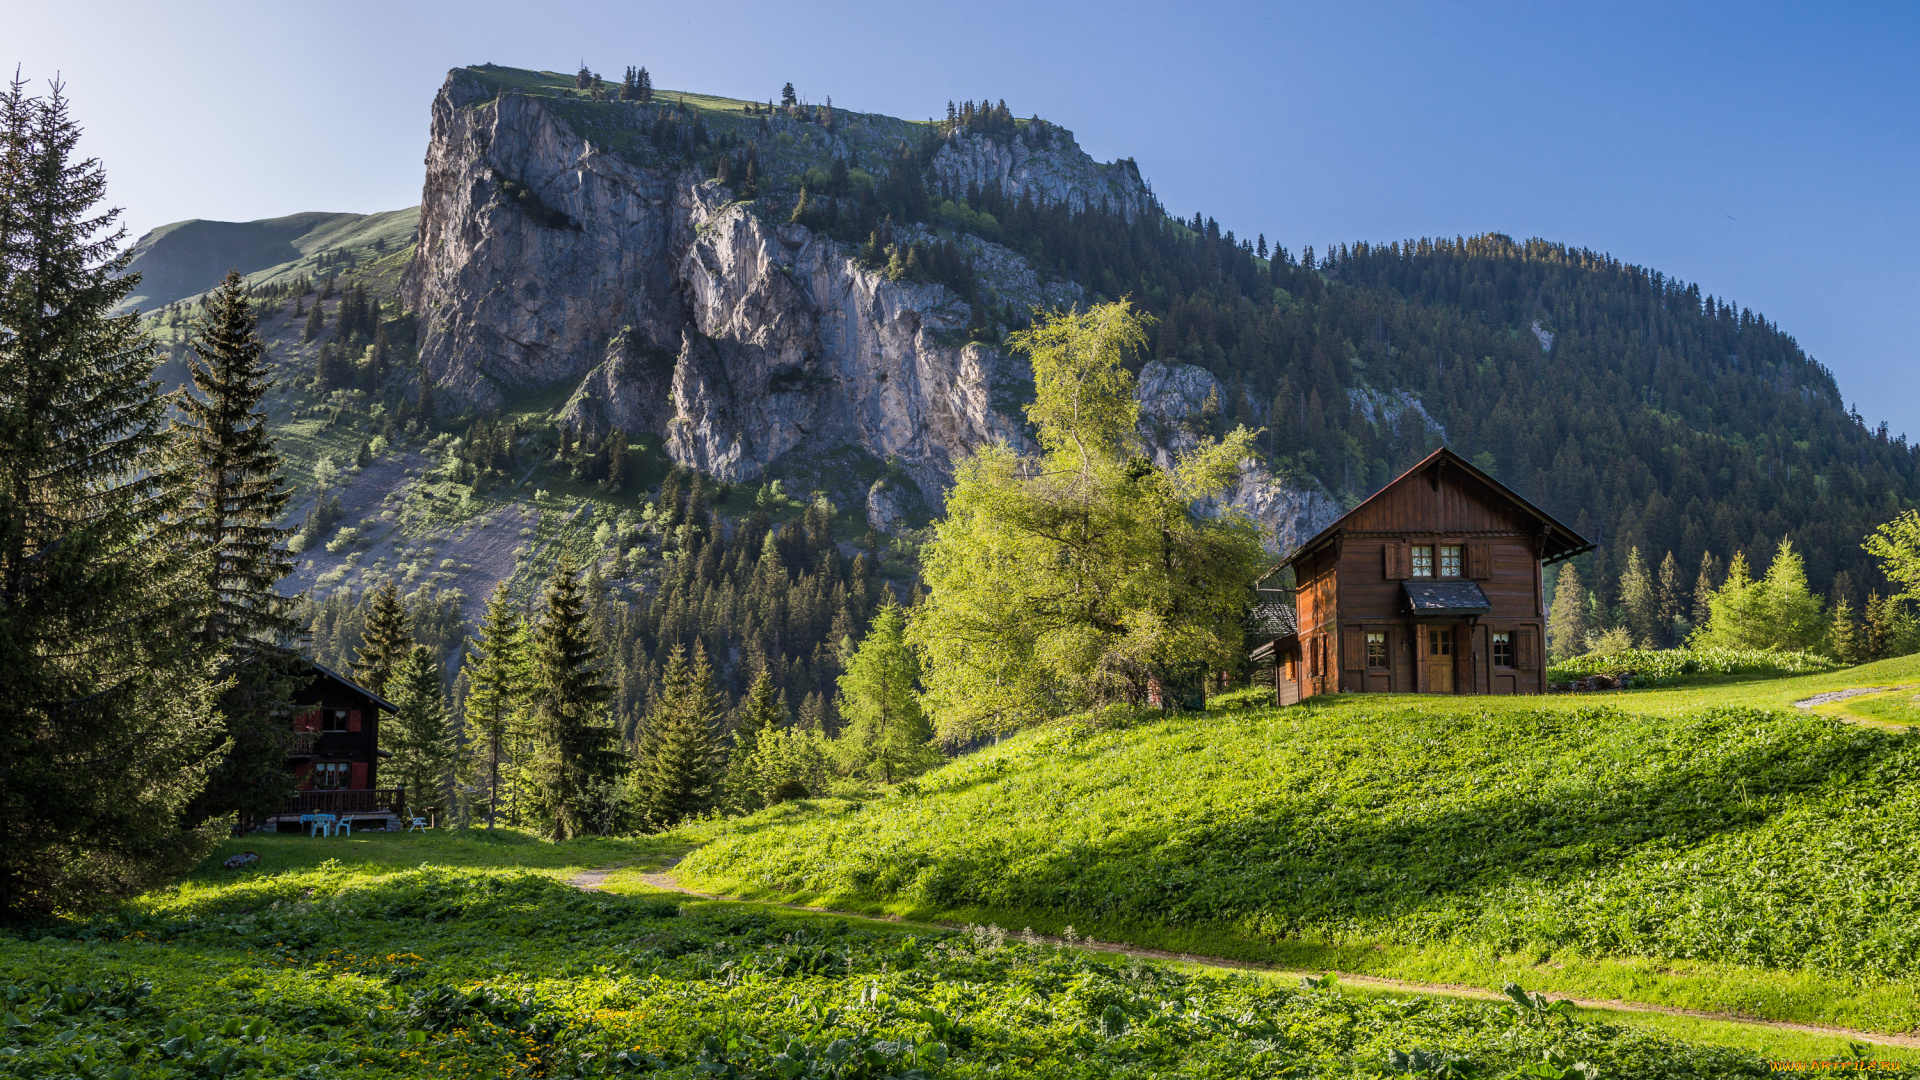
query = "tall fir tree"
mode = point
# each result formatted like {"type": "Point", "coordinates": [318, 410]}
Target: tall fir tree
{"type": "Point", "coordinates": [574, 740]}
{"type": "Point", "coordinates": [1639, 604]}
{"type": "Point", "coordinates": [1703, 590]}
{"type": "Point", "coordinates": [387, 641]}
{"type": "Point", "coordinates": [887, 734]}
{"type": "Point", "coordinates": [1567, 620]}
{"type": "Point", "coordinates": [1843, 632]}
{"type": "Point", "coordinates": [230, 496]}
{"type": "Point", "coordinates": [316, 323]}
{"type": "Point", "coordinates": [498, 685]}
{"type": "Point", "coordinates": [680, 769]}
{"type": "Point", "coordinates": [1671, 599]}
{"type": "Point", "coordinates": [762, 710]}
{"type": "Point", "coordinates": [418, 734]}
{"type": "Point", "coordinates": [105, 707]}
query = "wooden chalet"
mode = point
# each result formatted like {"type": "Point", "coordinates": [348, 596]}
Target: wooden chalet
{"type": "Point", "coordinates": [1431, 586]}
{"type": "Point", "coordinates": [336, 755]}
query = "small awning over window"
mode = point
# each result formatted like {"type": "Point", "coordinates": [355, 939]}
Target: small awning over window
{"type": "Point", "coordinates": [1446, 598]}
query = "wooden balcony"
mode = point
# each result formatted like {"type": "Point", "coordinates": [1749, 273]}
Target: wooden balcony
{"type": "Point", "coordinates": [327, 744]}
{"type": "Point", "coordinates": [348, 801]}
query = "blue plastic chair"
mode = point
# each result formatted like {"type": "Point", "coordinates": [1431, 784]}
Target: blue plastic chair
{"type": "Point", "coordinates": [322, 822]}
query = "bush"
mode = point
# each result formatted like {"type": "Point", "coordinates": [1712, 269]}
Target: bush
{"type": "Point", "coordinates": [1661, 667]}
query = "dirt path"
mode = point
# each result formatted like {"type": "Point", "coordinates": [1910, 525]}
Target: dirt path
{"type": "Point", "coordinates": [664, 880]}
{"type": "Point", "coordinates": [1841, 695]}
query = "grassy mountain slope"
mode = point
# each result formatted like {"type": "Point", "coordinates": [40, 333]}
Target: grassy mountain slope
{"type": "Point", "coordinates": [1684, 846]}
{"type": "Point", "coordinates": [187, 258]}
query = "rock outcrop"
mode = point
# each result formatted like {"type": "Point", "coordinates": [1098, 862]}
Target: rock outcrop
{"type": "Point", "coordinates": [1056, 172]}
{"type": "Point", "coordinates": [1173, 400]}
{"type": "Point", "coordinates": [544, 259]}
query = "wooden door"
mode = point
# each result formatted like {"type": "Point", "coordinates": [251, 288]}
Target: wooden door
{"type": "Point", "coordinates": [1439, 659]}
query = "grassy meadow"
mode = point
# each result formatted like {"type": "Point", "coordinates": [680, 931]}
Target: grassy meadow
{"type": "Point", "coordinates": [1708, 847]}
{"type": "Point", "coordinates": [470, 956]}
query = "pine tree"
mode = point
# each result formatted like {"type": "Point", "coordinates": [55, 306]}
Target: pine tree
{"type": "Point", "coordinates": [105, 710]}
{"type": "Point", "coordinates": [417, 735]}
{"type": "Point", "coordinates": [680, 771]}
{"type": "Point", "coordinates": [316, 322]}
{"type": "Point", "coordinates": [574, 741]}
{"type": "Point", "coordinates": [388, 640]}
{"type": "Point", "coordinates": [1703, 589]}
{"type": "Point", "coordinates": [887, 733]}
{"type": "Point", "coordinates": [226, 476]}
{"type": "Point", "coordinates": [645, 82]}
{"type": "Point", "coordinates": [497, 696]}
{"type": "Point", "coordinates": [1843, 633]}
{"type": "Point", "coordinates": [787, 96]}
{"type": "Point", "coordinates": [1567, 621]}
{"type": "Point", "coordinates": [1639, 605]}
{"type": "Point", "coordinates": [1672, 594]}
{"type": "Point", "coordinates": [762, 711]}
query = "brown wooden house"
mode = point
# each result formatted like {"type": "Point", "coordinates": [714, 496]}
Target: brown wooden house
{"type": "Point", "coordinates": [336, 753]}
{"type": "Point", "coordinates": [1431, 586]}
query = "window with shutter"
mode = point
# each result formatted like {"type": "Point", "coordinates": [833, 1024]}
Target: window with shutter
{"type": "Point", "coordinates": [1480, 560]}
{"type": "Point", "coordinates": [1523, 644]}
{"type": "Point", "coordinates": [1352, 654]}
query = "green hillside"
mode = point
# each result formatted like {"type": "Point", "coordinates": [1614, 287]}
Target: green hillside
{"type": "Point", "coordinates": [1694, 847]}
{"type": "Point", "coordinates": [187, 258]}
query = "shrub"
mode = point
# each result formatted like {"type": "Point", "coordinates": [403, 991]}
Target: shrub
{"type": "Point", "coordinates": [1660, 667]}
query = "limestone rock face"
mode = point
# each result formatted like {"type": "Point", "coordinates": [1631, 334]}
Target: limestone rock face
{"type": "Point", "coordinates": [545, 260]}
{"type": "Point", "coordinates": [886, 504]}
{"type": "Point", "coordinates": [1058, 172]}
{"type": "Point", "coordinates": [508, 301]}
{"type": "Point", "coordinates": [1172, 398]}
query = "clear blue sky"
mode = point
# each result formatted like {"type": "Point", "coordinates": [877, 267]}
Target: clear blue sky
{"type": "Point", "coordinates": [1767, 152]}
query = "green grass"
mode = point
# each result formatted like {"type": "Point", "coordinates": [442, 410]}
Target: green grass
{"type": "Point", "coordinates": [1669, 667]}
{"type": "Point", "coordinates": [454, 956]}
{"type": "Point", "coordinates": [1701, 848]}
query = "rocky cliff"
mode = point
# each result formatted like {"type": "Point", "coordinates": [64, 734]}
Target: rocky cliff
{"type": "Point", "coordinates": [552, 253]}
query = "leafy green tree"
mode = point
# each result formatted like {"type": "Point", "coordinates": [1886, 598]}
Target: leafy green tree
{"type": "Point", "coordinates": [791, 763]}
{"type": "Point", "coordinates": [498, 686]}
{"type": "Point", "coordinates": [1567, 619]}
{"type": "Point", "coordinates": [418, 736]}
{"type": "Point", "coordinates": [1896, 544]}
{"type": "Point", "coordinates": [1087, 573]}
{"type": "Point", "coordinates": [230, 494]}
{"type": "Point", "coordinates": [681, 756]}
{"type": "Point", "coordinates": [574, 741]}
{"type": "Point", "coordinates": [106, 705]}
{"type": "Point", "coordinates": [387, 641]}
{"type": "Point", "coordinates": [887, 734]}
{"type": "Point", "coordinates": [763, 710]}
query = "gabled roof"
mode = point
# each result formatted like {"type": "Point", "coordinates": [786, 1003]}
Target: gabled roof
{"type": "Point", "coordinates": [1561, 542]}
{"type": "Point", "coordinates": [1272, 619]}
{"type": "Point", "coordinates": [355, 687]}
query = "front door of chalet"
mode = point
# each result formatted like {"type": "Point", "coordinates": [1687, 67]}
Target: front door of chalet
{"type": "Point", "coordinates": [1439, 659]}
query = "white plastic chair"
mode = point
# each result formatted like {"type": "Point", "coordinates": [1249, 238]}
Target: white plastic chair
{"type": "Point", "coordinates": [418, 824]}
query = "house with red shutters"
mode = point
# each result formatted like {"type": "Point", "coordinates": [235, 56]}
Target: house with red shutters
{"type": "Point", "coordinates": [1431, 586]}
{"type": "Point", "coordinates": [335, 754]}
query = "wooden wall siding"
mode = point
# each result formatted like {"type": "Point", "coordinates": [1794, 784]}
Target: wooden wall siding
{"type": "Point", "coordinates": [1459, 503]}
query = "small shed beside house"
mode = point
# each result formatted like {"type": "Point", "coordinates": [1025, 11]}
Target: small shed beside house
{"type": "Point", "coordinates": [1432, 586]}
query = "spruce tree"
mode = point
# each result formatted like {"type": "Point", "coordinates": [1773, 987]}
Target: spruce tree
{"type": "Point", "coordinates": [1703, 589]}
{"type": "Point", "coordinates": [497, 680]}
{"type": "Point", "coordinates": [681, 768]}
{"type": "Point", "coordinates": [1567, 620]}
{"type": "Point", "coordinates": [230, 494]}
{"type": "Point", "coordinates": [387, 641]}
{"type": "Point", "coordinates": [316, 322]}
{"type": "Point", "coordinates": [763, 710]}
{"type": "Point", "coordinates": [1639, 604]}
{"type": "Point", "coordinates": [887, 734]}
{"type": "Point", "coordinates": [1843, 632]}
{"type": "Point", "coordinates": [574, 751]}
{"type": "Point", "coordinates": [105, 707]}
{"type": "Point", "coordinates": [417, 734]}
{"type": "Point", "coordinates": [1671, 596]}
